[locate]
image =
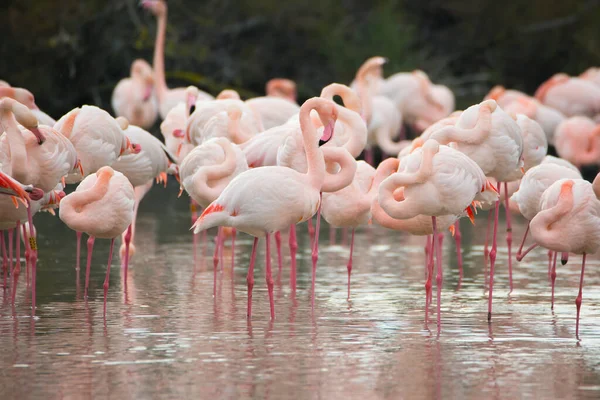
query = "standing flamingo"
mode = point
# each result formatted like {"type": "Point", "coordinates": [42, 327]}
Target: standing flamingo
{"type": "Point", "coordinates": [101, 206]}
{"type": "Point", "coordinates": [569, 221]}
{"type": "Point", "coordinates": [492, 138]}
{"type": "Point", "coordinates": [173, 126]}
{"type": "Point", "coordinates": [261, 201]}
{"type": "Point", "coordinates": [278, 105]}
{"type": "Point", "coordinates": [436, 180]}
{"type": "Point", "coordinates": [167, 98]}
{"type": "Point", "coordinates": [132, 97]}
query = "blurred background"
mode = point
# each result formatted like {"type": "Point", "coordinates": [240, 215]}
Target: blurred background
{"type": "Point", "coordinates": [74, 52]}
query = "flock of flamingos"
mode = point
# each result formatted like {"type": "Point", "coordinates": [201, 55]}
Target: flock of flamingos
{"type": "Point", "coordinates": [264, 165]}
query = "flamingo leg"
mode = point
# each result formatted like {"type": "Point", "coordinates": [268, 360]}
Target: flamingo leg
{"type": "Point", "coordinates": [553, 278]}
{"type": "Point", "coordinates": [17, 271]}
{"type": "Point", "coordinates": [550, 254]}
{"type": "Point", "coordinates": [533, 246]}
{"type": "Point", "coordinates": [78, 254]}
{"type": "Point", "coordinates": [90, 248]}
{"type": "Point", "coordinates": [106, 280]}
{"type": "Point", "coordinates": [279, 259]}
{"type": "Point", "coordinates": [349, 266]}
{"type": "Point", "coordinates": [520, 251]}
{"type": "Point", "coordinates": [429, 247]}
{"type": "Point", "coordinates": [311, 230]}
{"type": "Point", "coordinates": [315, 253]}
{"type": "Point", "coordinates": [269, 276]}
{"type": "Point", "coordinates": [508, 236]}
{"type": "Point", "coordinates": [233, 235]}
{"type": "Point", "coordinates": [127, 243]}
{"type": "Point", "coordinates": [486, 249]}
{"type": "Point", "coordinates": [250, 277]}
{"type": "Point", "coordinates": [439, 278]}
{"type": "Point", "coordinates": [493, 256]}
{"type": "Point", "coordinates": [216, 260]}
{"type": "Point", "coordinates": [27, 254]}
{"type": "Point", "coordinates": [293, 248]}
{"type": "Point", "coordinates": [4, 258]}
{"type": "Point", "coordinates": [10, 254]}
{"type": "Point", "coordinates": [34, 256]}
{"type": "Point", "coordinates": [369, 156]}
{"type": "Point", "coordinates": [579, 296]}
{"type": "Point", "coordinates": [457, 240]}
{"type": "Point", "coordinates": [193, 210]}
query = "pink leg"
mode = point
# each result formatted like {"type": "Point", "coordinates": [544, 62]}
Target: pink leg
{"type": "Point", "coordinates": [349, 266]}
{"type": "Point", "coordinates": [90, 248]}
{"type": "Point", "coordinates": [315, 255]}
{"type": "Point", "coordinates": [293, 249]}
{"type": "Point", "coordinates": [439, 277]}
{"type": "Point", "coordinates": [457, 239]}
{"type": "Point", "coordinates": [106, 280]}
{"type": "Point", "coordinates": [486, 250]}
{"type": "Point", "coordinates": [553, 278]}
{"type": "Point", "coordinates": [369, 156]}
{"type": "Point", "coordinates": [78, 249]}
{"type": "Point", "coordinates": [34, 256]}
{"type": "Point", "coordinates": [269, 276]}
{"type": "Point", "coordinates": [233, 235]}
{"type": "Point", "coordinates": [493, 256]}
{"type": "Point", "coordinates": [311, 230]}
{"type": "Point", "coordinates": [332, 233]}
{"type": "Point", "coordinates": [427, 250]}
{"type": "Point", "coordinates": [4, 258]}
{"type": "Point", "coordinates": [508, 236]}
{"type": "Point", "coordinates": [193, 210]}
{"type": "Point", "coordinates": [564, 258]}
{"type": "Point", "coordinates": [10, 253]}
{"type": "Point", "coordinates": [550, 254]}
{"type": "Point", "coordinates": [533, 246]}
{"type": "Point", "coordinates": [127, 243]}
{"type": "Point", "coordinates": [17, 271]}
{"type": "Point", "coordinates": [279, 258]}
{"type": "Point", "coordinates": [216, 260]}
{"type": "Point", "coordinates": [520, 251]}
{"type": "Point", "coordinates": [250, 277]}
{"type": "Point", "coordinates": [27, 254]}
{"type": "Point", "coordinates": [579, 297]}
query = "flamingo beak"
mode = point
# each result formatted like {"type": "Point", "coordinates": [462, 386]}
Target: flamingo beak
{"type": "Point", "coordinates": [147, 92]}
{"type": "Point", "coordinates": [190, 103]}
{"type": "Point", "coordinates": [327, 133]}
{"type": "Point", "coordinates": [38, 134]}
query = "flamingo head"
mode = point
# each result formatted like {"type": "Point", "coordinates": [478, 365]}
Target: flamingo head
{"type": "Point", "coordinates": [496, 92]}
{"type": "Point", "coordinates": [328, 119]}
{"type": "Point", "coordinates": [228, 94]}
{"type": "Point", "coordinates": [191, 97]}
{"type": "Point", "coordinates": [156, 7]}
{"type": "Point", "coordinates": [280, 87]}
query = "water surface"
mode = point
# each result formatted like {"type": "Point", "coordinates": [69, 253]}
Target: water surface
{"type": "Point", "coordinates": [167, 337]}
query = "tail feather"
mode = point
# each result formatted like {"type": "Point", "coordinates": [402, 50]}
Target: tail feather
{"type": "Point", "coordinates": [213, 215]}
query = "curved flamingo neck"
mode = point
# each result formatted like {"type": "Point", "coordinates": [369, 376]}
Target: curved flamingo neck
{"type": "Point", "coordinates": [216, 172]}
{"type": "Point", "coordinates": [542, 223]}
{"type": "Point", "coordinates": [314, 157]}
{"type": "Point", "coordinates": [80, 199]}
{"type": "Point", "coordinates": [16, 146]}
{"type": "Point", "coordinates": [338, 178]}
{"type": "Point", "coordinates": [159, 57]}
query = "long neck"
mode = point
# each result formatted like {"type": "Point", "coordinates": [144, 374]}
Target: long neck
{"type": "Point", "coordinates": [337, 178]}
{"type": "Point", "coordinates": [79, 199]}
{"type": "Point", "coordinates": [314, 156]}
{"type": "Point", "coordinates": [358, 131]}
{"type": "Point", "coordinates": [542, 223]}
{"type": "Point", "coordinates": [16, 145]}
{"type": "Point", "coordinates": [159, 57]}
{"type": "Point", "coordinates": [215, 173]}
{"type": "Point", "coordinates": [596, 186]}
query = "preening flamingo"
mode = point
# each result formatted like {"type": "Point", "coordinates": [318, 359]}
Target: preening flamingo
{"type": "Point", "coordinates": [101, 206]}
{"type": "Point", "coordinates": [568, 221]}
{"type": "Point", "coordinates": [133, 97]}
{"type": "Point", "coordinates": [577, 140]}
{"type": "Point", "coordinates": [167, 98]}
{"type": "Point", "coordinates": [261, 201]}
{"type": "Point", "coordinates": [571, 96]}
{"type": "Point", "coordinates": [26, 98]}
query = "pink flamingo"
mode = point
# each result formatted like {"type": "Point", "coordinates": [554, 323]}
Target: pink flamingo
{"type": "Point", "coordinates": [491, 138]}
{"type": "Point", "coordinates": [167, 98]}
{"type": "Point", "coordinates": [577, 140]}
{"type": "Point", "coordinates": [151, 163]}
{"type": "Point", "coordinates": [278, 106]}
{"type": "Point", "coordinates": [205, 172]}
{"type": "Point", "coordinates": [132, 97]}
{"type": "Point", "coordinates": [435, 180]}
{"type": "Point", "coordinates": [254, 201]}
{"type": "Point", "coordinates": [173, 126]}
{"type": "Point", "coordinates": [102, 206]}
{"type": "Point", "coordinates": [26, 98]}
{"type": "Point", "coordinates": [571, 96]}
{"type": "Point", "coordinates": [568, 222]}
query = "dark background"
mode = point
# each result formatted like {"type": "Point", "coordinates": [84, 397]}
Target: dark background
{"type": "Point", "coordinates": [71, 52]}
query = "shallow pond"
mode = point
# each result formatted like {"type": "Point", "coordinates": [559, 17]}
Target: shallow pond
{"type": "Point", "coordinates": [167, 337]}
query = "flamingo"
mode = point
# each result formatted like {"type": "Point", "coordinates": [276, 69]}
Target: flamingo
{"type": "Point", "coordinates": [102, 206]}
{"type": "Point", "coordinates": [281, 87]}
{"type": "Point", "coordinates": [173, 126]}
{"type": "Point", "coordinates": [37, 155]}
{"type": "Point", "coordinates": [591, 74]}
{"type": "Point", "coordinates": [569, 221]}
{"type": "Point", "coordinates": [206, 171]}
{"type": "Point", "coordinates": [132, 97]}
{"type": "Point", "coordinates": [167, 98]}
{"type": "Point", "coordinates": [577, 140]}
{"type": "Point", "coordinates": [278, 106]}
{"type": "Point", "coordinates": [261, 201]}
{"type": "Point", "coordinates": [571, 96]}
{"type": "Point", "coordinates": [26, 98]}
{"type": "Point", "coordinates": [492, 138]}
{"type": "Point", "coordinates": [436, 180]}
{"type": "Point", "coordinates": [151, 162]}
